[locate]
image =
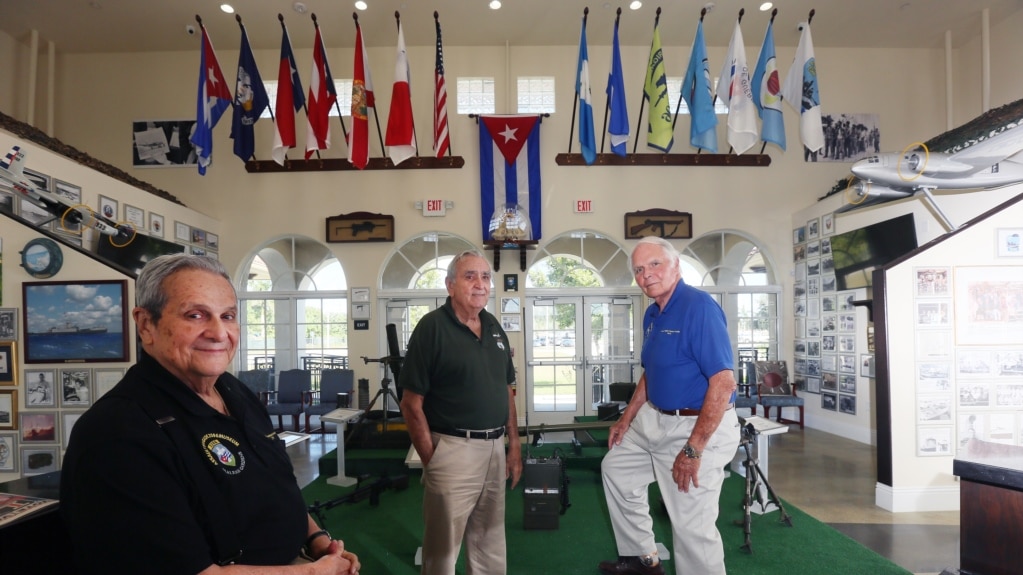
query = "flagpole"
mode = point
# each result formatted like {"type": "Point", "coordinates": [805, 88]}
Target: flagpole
{"type": "Point", "coordinates": [337, 106]}
{"type": "Point", "coordinates": [575, 101]}
{"type": "Point", "coordinates": [607, 105]}
{"type": "Point", "coordinates": [376, 117]}
{"type": "Point", "coordinates": [774, 13]}
{"type": "Point", "coordinates": [678, 107]}
{"type": "Point", "coordinates": [642, 103]}
{"type": "Point", "coordinates": [280, 18]}
{"type": "Point", "coordinates": [436, 20]}
{"type": "Point", "coordinates": [712, 102]}
{"type": "Point", "coordinates": [397, 22]}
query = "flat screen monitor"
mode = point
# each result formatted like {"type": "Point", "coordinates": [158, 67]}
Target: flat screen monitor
{"type": "Point", "coordinates": [858, 253]}
{"type": "Point", "coordinates": [136, 254]}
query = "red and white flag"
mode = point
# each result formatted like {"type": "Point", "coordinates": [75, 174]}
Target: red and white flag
{"type": "Point", "coordinates": [401, 129]}
{"type": "Point", "coordinates": [322, 96]}
{"type": "Point", "coordinates": [290, 99]}
{"type": "Point", "coordinates": [362, 101]}
{"type": "Point", "coordinates": [441, 139]}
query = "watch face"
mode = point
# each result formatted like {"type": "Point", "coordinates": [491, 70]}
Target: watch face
{"type": "Point", "coordinates": [42, 258]}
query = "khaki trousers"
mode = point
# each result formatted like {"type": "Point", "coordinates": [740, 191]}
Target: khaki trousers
{"type": "Point", "coordinates": [463, 502]}
{"type": "Point", "coordinates": [646, 454]}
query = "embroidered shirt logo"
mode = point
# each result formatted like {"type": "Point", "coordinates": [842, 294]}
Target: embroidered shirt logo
{"type": "Point", "coordinates": [499, 341]}
{"type": "Point", "coordinates": [224, 452]}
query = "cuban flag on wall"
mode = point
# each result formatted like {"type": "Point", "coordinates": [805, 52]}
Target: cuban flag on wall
{"type": "Point", "coordinates": [510, 167]}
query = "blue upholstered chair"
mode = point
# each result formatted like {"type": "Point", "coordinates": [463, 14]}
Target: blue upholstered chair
{"type": "Point", "coordinates": [332, 383]}
{"type": "Point", "coordinates": [258, 380]}
{"type": "Point", "coordinates": [291, 397]}
{"type": "Point", "coordinates": [746, 396]}
{"type": "Point", "coordinates": [776, 391]}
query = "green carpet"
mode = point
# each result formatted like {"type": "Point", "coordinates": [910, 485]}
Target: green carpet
{"type": "Point", "coordinates": [386, 536]}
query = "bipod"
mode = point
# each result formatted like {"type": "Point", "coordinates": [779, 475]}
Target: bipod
{"type": "Point", "coordinates": [754, 478]}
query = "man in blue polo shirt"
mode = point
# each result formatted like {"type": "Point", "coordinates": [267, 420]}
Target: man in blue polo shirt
{"type": "Point", "coordinates": [679, 428]}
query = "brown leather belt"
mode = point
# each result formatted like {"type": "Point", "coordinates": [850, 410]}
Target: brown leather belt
{"type": "Point", "coordinates": [685, 412]}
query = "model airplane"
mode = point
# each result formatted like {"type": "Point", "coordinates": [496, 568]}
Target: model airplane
{"type": "Point", "coordinates": [988, 163]}
{"type": "Point", "coordinates": [11, 172]}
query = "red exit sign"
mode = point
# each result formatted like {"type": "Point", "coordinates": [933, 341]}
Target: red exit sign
{"type": "Point", "coordinates": [583, 206]}
{"type": "Point", "coordinates": [434, 208]}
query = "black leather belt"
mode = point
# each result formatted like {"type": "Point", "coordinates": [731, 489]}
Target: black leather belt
{"type": "Point", "coordinates": [685, 412]}
{"type": "Point", "coordinates": [495, 433]}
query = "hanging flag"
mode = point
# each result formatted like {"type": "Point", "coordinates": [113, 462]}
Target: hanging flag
{"type": "Point", "coordinates": [587, 144]}
{"type": "Point", "coordinates": [696, 90]}
{"type": "Point", "coordinates": [211, 102]}
{"type": "Point", "coordinates": [802, 93]}
{"type": "Point", "coordinates": [401, 129]}
{"type": "Point", "coordinates": [250, 99]}
{"type": "Point", "coordinates": [734, 89]}
{"type": "Point", "coordinates": [322, 95]}
{"type": "Point", "coordinates": [441, 139]}
{"type": "Point", "coordinates": [510, 167]}
{"type": "Point", "coordinates": [290, 99]}
{"type": "Point", "coordinates": [362, 101]}
{"type": "Point", "coordinates": [619, 123]}
{"type": "Point", "coordinates": [767, 92]}
{"type": "Point", "coordinates": [655, 91]}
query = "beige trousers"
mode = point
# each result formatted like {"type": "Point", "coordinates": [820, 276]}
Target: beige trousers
{"type": "Point", "coordinates": [463, 502]}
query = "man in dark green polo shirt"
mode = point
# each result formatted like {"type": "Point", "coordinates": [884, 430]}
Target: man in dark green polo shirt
{"type": "Point", "coordinates": [458, 402]}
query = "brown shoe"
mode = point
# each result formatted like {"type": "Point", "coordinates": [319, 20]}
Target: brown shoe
{"type": "Point", "coordinates": [630, 565]}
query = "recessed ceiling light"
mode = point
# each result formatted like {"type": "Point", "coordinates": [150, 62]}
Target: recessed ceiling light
{"type": "Point", "coordinates": [360, 5]}
{"type": "Point", "coordinates": [636, 5]}
{"type": "Point", "coordinates": [227, 8]}
{"type": "Point", "coordinates": [495, 4]}
{"type": "Point", "coordinates": [766, 6]}
{"type": "Point", "coordinates": [299, 7]}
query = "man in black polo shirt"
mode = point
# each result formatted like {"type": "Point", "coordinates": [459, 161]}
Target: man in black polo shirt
{"type": "Point", "coordinates": [458, 403]}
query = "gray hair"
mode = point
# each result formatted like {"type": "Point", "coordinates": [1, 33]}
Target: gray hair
{"type": "Point", "coordinates": [453, 266]}
{"type": "Point", "coordinates": [149, 293]}
{"type": "Point", "coordinates": [669, 250]}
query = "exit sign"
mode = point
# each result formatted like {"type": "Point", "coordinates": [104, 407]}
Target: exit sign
{"type": "Point", "coordinates": [434, 208]}
{"type": "Point", "coordinates": [583, 206]}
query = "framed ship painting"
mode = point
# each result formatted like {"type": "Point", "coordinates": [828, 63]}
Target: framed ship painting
{"type": "Point", "coordinates": [75, 322]}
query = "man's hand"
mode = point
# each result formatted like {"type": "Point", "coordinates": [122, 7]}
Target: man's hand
{"type": "Point", "coordinates": [684, 470]}
{"type": "Point", "coordinates": [337, 560]}
{"type": "Point", "coordinates": [513, 465]}
{"type": "Point", "coordinates": [616, 432]}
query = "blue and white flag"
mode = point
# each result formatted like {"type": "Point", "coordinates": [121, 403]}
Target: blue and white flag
{"type": "Point", "coordinates": [510, 168]}
{"type": "Point", "coordinates": [696, 90]}
{"type": "Point", "coordinates": [767, 92]}
{"type": "Point", "coordinates": [619, 123]}
{"type": "Point", "coordinates": [250, 99]}
{"type": "Point", "coordinates": [802, 92]}
{"type": "Point", "coordinates": [587, 143]}
{"type": "Point", "coordinates": [212, 101]}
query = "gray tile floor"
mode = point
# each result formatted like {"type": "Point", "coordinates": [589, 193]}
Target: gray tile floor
{"type": "Point", "coordinates": [826, 476]}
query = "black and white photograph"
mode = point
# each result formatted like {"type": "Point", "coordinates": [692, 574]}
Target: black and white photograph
{"type": "Point", "coordinates": [846, 343]}
{"type": "Point", "coordinates": [975, 394]}
{"type": "Point", "coordinates": [39, 388]}
{"type": "Point", "coordinates": [8, 452]}
{"type": "Point", "coordinates": [511, 322]}
{"type": "Point", "coordinates": [933, 376]}
{"type": "Point", "coordinates": [71, 195]}
{"type": "Point", "coordinates": [971, 426]}
{"type": "Point", "coordinates": [828, 283]}
{"type": "Point", "coordinates": [847, 322]}
{"type": "Point", "coordinates": [934, 407]}
{"type": "Point", "coordinates": [38, 460]}
{"type": "Point", "coordinates": [813, 385]}
{"type": "Point", "coordinates": [813, 249]}
{"type": "Point", "coordinates": [8, 202]}
{"type": "Point", "coordinates": [867, 365]}
{"type": "Point", "coordinates": [847, 404]}
{"type": "Point", "coordinates": [828, 343]}
{"type": "Point", "coordinates": [847, 384]}
{"type": "Point", "coordinates": [163, 144]}
{"type": "Point", "coordinates": [510, 305]}
{"type": "Point", "coordinates": [933, 344]}
{"type": "Point", "coordinates": [829, 381]}
{"type": "Point", "coordinates": [76, 387]}
{"type": "Point", "coordinates": [829, 304]}
{"type": "Point", "coordinates": [850, 137]}
{"type": "Point", "coordinates": [1009, 395]}
{"type": "Point", "coordinates": [934, 441]}
{"type": "Point", "coordinates": [813, 229]}
{"type": "Point", "coordinates": [847, 364]}
{"type": "Point", "coordinates": [8, 323]}
{"type": "Point", "coordinates": [829, 362]}
{"type": "Point", "coordinates": [932, 281]}
{"type": "Point", "coordinates": [829, 401]}
{"type": "Point", "coordinates": [212, 241]}
{"type": "Point", "coordinates": [930, 313]}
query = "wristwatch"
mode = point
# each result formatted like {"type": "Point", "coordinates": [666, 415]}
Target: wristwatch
{"type": "Point", "coordinates": [690, 451]}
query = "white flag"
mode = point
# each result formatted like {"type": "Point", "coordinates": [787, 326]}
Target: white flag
{"type": "Point", "coordinates": [802, 92]}
{"type": "Point", "coordinates": [734, 89]}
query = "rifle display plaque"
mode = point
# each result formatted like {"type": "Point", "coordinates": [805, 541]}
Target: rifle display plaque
{"type": "Point", "coordinates": [667, 224]}
{"type": "Point", "coordinates": [360, 227]}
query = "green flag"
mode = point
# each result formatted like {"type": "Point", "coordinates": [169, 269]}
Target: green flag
{"type": "Point", "coordinates": [659, 134]}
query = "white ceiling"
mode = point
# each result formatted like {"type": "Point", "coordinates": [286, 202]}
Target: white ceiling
{"type": "Point", "coordinates": [80, 26]}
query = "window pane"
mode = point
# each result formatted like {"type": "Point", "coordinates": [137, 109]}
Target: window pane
{"type": "Point", "coordinates": [535, 95]}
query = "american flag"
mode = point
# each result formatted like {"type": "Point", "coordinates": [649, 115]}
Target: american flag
{"type": "Point", "coordinates": [441, 139]}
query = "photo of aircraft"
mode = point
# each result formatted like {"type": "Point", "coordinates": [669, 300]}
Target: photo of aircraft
{"type": "Point", "coordinates": [988, 162]}
{"type": "Point", "coordinates": [11, 173]}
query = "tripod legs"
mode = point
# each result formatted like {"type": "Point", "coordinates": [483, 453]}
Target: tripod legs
{"type": "Point", "coordinates": [754, 478]}
{"type": "Point", "coordinates": [385, 391]}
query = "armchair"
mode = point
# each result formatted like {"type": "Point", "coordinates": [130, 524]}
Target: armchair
{"type": "Point", "coordinates": [290, 398]}
{"type": "Point", "coordinates": [776, 391]}
{"type": "Point", "coordinates": [258, 380]}
{"type": "Point", "coordinates": [746, 395]}
{"type": "Point", "coordinates": [333, 382]}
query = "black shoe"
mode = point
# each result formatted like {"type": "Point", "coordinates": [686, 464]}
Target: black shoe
{"type": "Point", "coordinates": [629, 565]}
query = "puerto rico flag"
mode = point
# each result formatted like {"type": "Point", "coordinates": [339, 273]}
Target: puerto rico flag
{"type": "Point", "coordinates": [510, 167]}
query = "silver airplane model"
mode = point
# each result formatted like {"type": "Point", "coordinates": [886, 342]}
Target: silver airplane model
{"type": "Point", "coordinates": [11, 172]}
{"type": "Point", "coordinates": [988, 163]}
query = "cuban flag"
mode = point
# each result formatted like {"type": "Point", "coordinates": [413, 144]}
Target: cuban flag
{"type": "Point", "coordinates": [510, 167]}
{"type": "Point", "coordinates": [213, 100]}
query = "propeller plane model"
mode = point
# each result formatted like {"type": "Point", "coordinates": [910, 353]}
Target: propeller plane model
{"type": "Point", "coordinates": [12, 173]}
{"type": "Point", "coordinates": [988, 163]}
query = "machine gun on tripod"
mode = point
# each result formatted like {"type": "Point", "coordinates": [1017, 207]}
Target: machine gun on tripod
{"type": "Point", "coordinates": [371, 492]}
{"type": "Point", "coordinates": [393, 361]}
{"type": "Point", "coordinates": [754, 477]}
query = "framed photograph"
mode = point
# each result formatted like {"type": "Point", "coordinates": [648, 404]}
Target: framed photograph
{"type": "Point", "coordinates": [826, 247]}
{"type": "Point", "coordinates": [8, 453]}
{"type": "Point", "coordinates": [799, 235]}
{"type": "Point", "coordinates": [68, 420]}
{"type": "Point", "coordinates": [182, 232]}
{"type": "Point", "coordinates": [360, 310]}
{"type": "Point", "coordinates": [39, 460]}
{"type": "Point", "coordinates": [511, 322]}
{"type": "Point", "coordinates": [813, 385]}
{"type": "Point", "coordinates": [40, 388]}
{"type": "Point", "coordinates": [108, 208]}
{"type": "Point", "coordinates": [8, 323]}
{"type": "Point", "coordinates": [37, 216]}
{"type": "Point", "coordinates": [813, 229]}
{"type": "Point", "coordinates": [827, 224]}
{"type": "Point", "coordinates": [163, 144]}
{"type": "Point", "coordinates": [847, 364]}
{"type": "Point", "coordinates": [198, 237]}
{"type": "Point", "coordinates": [511, 282]}
{"type": "Point", "coordinates": [933, 441]}
{"type": "Point", "coordinates": [867, 365]}
{"type": "Point", "coordinates": [360, 294]}
{"type": "Point", "coordinates": [76, 387]}
{"type": "Point", "coordinates": [39, 427]}
{"type": "Point", "coordinates": [847, 384]}
{"type": "Point", "coordinates": [935, 313]}
{"type": "Point", "coordinates": [510, 305]}
{"type": "Point", "coordinates": [1008, 242]}
{"type": "Point", "coordinates": [829, 381]}
{"type": "Point", "coordinates": [8, 203]}
{"type": "Point", "coordinates": [135, 216]}
{"type": "Point", "coordinates": [8, 409]}
{"type": "Point", "coordinates": [212, 241]}
{"type": "Point", "coordinates": [72, 196]}
{"type": "Point", "coordinates": [932, 281]}
{"type": "Point", "coordinates": [104, 379]}
{"type": "Point", "coordinates": [847, 404]}
{"type": "Point", "coordinates": [155, 225]}
{"type": "Point", "coordinates": [80, 321]}
{"type": "Point", "coordinates": [197, 251]}
{"type": "Point", "coordinates": [985, 314]}
{"type": "Point", "coordinates": [8, 363]}
{"type": "Point", "coordinates": [829, 401]}
{"type": "Point", "coordinates": [934, 407]}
